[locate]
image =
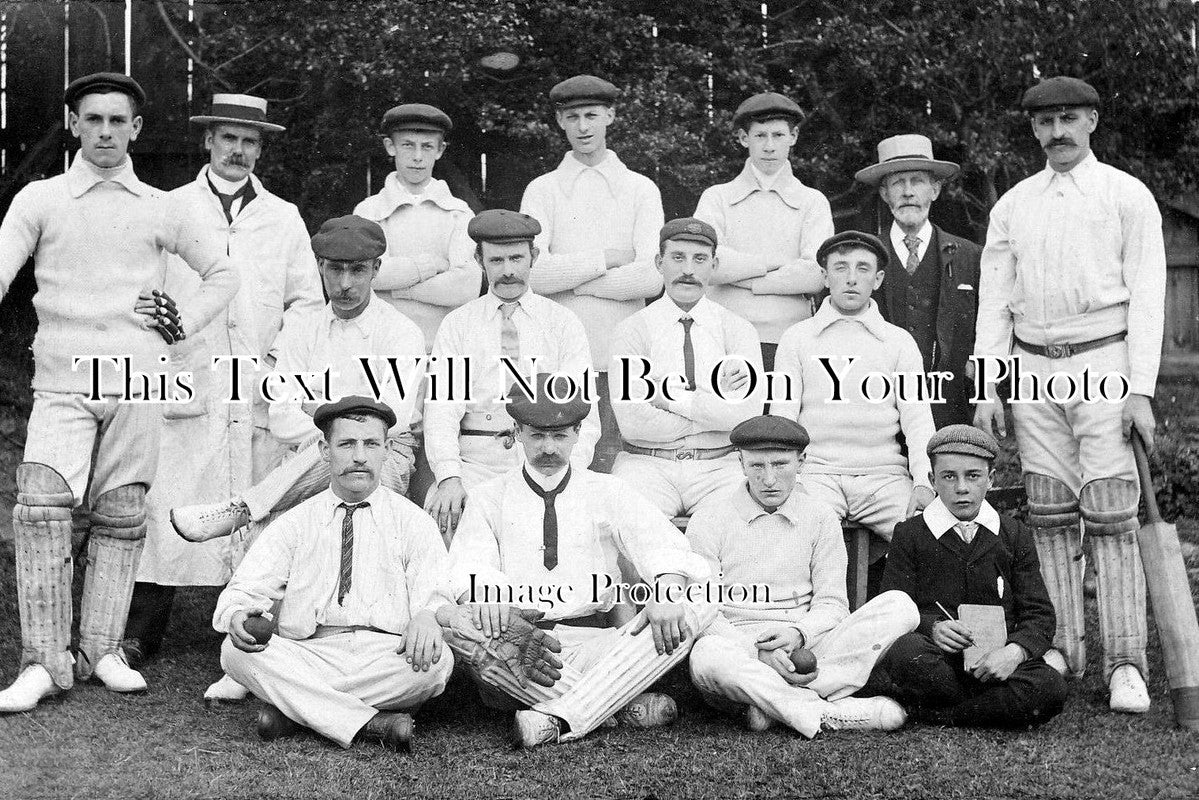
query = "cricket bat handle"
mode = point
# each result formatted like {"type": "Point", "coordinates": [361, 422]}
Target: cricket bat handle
{"type": "Point", "coordinates": [1173, 607]}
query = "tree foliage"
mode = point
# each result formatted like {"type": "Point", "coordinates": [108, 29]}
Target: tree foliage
{"type": "Point", "coordinates": [863, 70]}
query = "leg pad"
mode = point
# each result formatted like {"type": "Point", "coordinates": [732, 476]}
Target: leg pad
{"type": "Point", "coordinates": [1109, 507]}
{"type": "Point", "coordinates": [1051, 504]}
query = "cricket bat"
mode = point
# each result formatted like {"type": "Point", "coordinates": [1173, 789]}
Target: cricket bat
{"type": "Point", "coordinates": [1170, 591]}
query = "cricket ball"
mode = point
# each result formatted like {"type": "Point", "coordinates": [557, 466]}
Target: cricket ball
{"type": "Point", "coordinates": [260, 628]}
{"type": "Point", "coordinates": [804, 660]}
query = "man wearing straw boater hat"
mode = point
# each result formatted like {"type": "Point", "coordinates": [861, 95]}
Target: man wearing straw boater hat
{"type": "Point", "coordinates": [212, 448]}
{"type": "Point", "coordinates": [935, 296]}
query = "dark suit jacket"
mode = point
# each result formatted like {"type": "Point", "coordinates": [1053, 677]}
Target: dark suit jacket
{"type": "Point", "coordinates": [956, 314]}
{"type": "Point", "coordinates": [951, 572]}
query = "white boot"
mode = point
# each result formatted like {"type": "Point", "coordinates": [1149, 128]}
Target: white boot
{"type": "Point", "coordinates": [1055, 659]}
{"type": "Point", "coordinates": [757, 720]}
{"type": "Point", "coordinates": [1128, 690]}
{"type": "Point", "coordinates": [117, 676]}
{"type": "Point", "coordinates": [31, 686]}
{"type": "Point", "coordinates": [226, 690]}
{"type": "Point", "coordinates": [864, 714]}
{"type": "Point", "coordinates": [648, 710]}
{"type": "Point", "coordinates": [199, 523]}
{"type": "Point", "coordinates": [533, 728]}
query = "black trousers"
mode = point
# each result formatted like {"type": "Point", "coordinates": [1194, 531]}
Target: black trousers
{"type": "Point", "coordinates": [934, 685]}
{"type": "Point", "coordinates": [149, 613]}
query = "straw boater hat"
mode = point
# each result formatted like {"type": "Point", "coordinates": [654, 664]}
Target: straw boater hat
{"type": "Point", "coordinates": [238, 109]}
{"type": "Point", "coordinates": [903, 153]}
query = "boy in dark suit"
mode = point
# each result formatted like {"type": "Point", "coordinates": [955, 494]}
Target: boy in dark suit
{"type": "Point", "coordinates": [959, 550]}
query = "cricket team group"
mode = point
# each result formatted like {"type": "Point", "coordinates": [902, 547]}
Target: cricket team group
{"type": "Point", "coordinates": [517, 416]}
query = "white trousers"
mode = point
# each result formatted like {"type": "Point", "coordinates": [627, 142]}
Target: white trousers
{"type": "Point", "coordinates": [676, 488]}
{"type": "Point", "coordinates": [878, 502]}
{"type": "Point", "coordinates": [335, 684]}
{"type": "Point", "coordinates": [725, 661]}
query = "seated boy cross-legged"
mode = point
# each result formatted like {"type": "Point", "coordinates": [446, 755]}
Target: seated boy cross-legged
{"type": "Point", "coordinates": [961, 551]}
{"type": "Point", "coordinates": [766, 535]}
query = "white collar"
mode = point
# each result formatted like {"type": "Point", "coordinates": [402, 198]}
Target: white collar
{"type": "Point", "coordinates": [940, 519]}
{"type": "Point", "coordinates": [546, 482]}
{"type": "Point", "coordinates": [704, 312]}
{"type": "Point", "coordinates": [223, 186]}
{"type": "Point", "coordinates": [925, 234]}
{"type": "Point", "coordinates": [827, 315]}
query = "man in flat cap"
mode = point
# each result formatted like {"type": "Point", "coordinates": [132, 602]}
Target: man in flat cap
{"type": "Point", "coordinates": [546, 537]}
{"type": "Point", "coordinates": [599, 227]}
{"type": "Point", "coordinates": [765, 532]}
{"type": "Point", "coordinates": [961, 551]}
{"type": "Point", "coordinates": [931, 290]}
{"type": "Point", "coordinates": [212, 448]}
{"type": "Point", "coordinates": [849, 377]}
{"type": "Point", "coordinates": [333, 339]}
{"type": "Point", "coordinates": [360, 572]}
{"type": "Point", "coordinates": [97, 236]}
{"type": "Point", "coordinates": [769, 224]}
{"type": "Point", "coordinates": [685, 370]}
{"type": "Point", "coordinates": [1073, 277]}
{"type": "Point", "coordinates": [429, 268]}
{"type": "Point", "coordinates": [468, 443]}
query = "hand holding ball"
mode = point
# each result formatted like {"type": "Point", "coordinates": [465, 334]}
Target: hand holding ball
{"type": "Point", "coordinates": [260, 627]}
{"type": "Point", "coordinates": [804, 661]}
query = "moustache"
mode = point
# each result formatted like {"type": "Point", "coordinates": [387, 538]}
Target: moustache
{"type": "Point", "coordinates": [1055, 142]}
{"type": "Point", "coordinates": [236, 161]}
{"type": "Point", "coordinates": [354, 470]}
{"type": "Point", "coordinates": [545, 460]}
{"type": "Point", "coordinates": [509, 279]}
{"type": "Point", "coordinates": [689, 280]}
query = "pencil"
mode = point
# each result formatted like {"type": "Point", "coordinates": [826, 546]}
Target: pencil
{"type": "Point", "coordinates": [944, 611]}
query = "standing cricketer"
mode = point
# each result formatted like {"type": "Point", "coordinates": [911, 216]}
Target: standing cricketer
{"type": "Point", "coordinates": [97, 235]}
{"type": "Point", "coordinates": [1073, 281]}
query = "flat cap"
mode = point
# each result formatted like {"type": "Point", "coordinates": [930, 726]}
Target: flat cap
{"type": "Point", "coordinates": [103, 82]}
{"type": "Point", "coordinates": [689, 229]}
{"type": "Point", "coordinates": [349, 238]}
{"type": "Point", "coordinates": [353, 404]}
{"type": "Point", "coordinates": [500, 225]}
{"type": "Point", "coordinates": [769, 432]}
{"type": "Point", "coordinates": [416, 117]}
{"type": "Point", "coordinates": [551, 406]}
{"type": "Point", "coordinates": [583, 90]}
{"type": "Point", "coordinates": [858, 239]}
{"type": "Point", "coordinates": [1058, 92]}
{"type": "Point", "coordinates": [766, 105]}
{"type": "Point", "coordinates": [964, 439]}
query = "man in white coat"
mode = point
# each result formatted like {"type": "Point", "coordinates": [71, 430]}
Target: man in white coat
{"type": "Point", "coordinates": [212, 448]}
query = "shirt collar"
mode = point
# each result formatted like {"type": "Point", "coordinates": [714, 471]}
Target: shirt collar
{"type": "Point", "coordinates": [788, 187]}
{"type": "Point", "coordinates": [925, 235]}
{"type": "Point", "coordinates": [1081, 174]}
{"type": "Point", "coordinates": [328, 502]}
{"type": "Point", "coordinates": [940, 519]}
{"type": "Point", "coordinates": [827, 315]}
{"type": "Point", "coordinates": [546, 482]}
{"type": "Point", "coordinates": [82, 176]}
{"type": "Point", "coordinates": [394, 196]}
{"type": "Point", "coordinates": [704, 312]}
{"type": "Point", "coordinates": [359, 321]}
{"type": "Point", "coordinates": [222, 185]}
{"type": "Point", "coordinates": [611, 169]}
{"type": "Point", "coordinates": [749, 509]}
{"type": "Point", "coordinates": [493, 303]}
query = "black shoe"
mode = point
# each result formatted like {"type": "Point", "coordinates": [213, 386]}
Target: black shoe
{"type": "Point", "coordinates": [135, 654]}
{"type": "Point", "coordinates": [274, 724]}
{"type": "Point", "coordinates": [392, 730]}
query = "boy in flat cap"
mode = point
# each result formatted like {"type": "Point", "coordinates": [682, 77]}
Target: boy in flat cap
{"type": "Point", "coordinates": [360, 573]}
{"type": "Point", "coordinates": [468, 443]}
{"type": "Point", "coordinates": [960, 550]}
{"type": "Point", "coordinates": [546, 537]}
{"type": "Point", "coordinates": [353, 325]}
{"type": "Point", "coordinates": [934, 296]}
{"type": "Point", "coordinates": [855, 463]}
{"type": "Point", "coordinates": [1073, 277]}
{"type": "Point", "coordinates": [97, 236]}
{"type": "Point", "coordinates": [599, 227]}
{"type": "Point", "coordinates": [769, 224]}
{"type": "Point", "coordinates": [697, 358]}
{"type": "Point", "coordinates": [212, 448]}
{"type": "Point", "coordinates": [766, 532]}
{"type": "Point", "coordinates": [429, 269]}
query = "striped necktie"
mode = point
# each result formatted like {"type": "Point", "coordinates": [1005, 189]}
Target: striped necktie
{"type": "Point", "coordinates": [509, 338]}
{"type": "Point", "coordinates": [347, 549]}
{"type": "Point", "coordinates": [913, 244]}
{"type": "Point", "coordinates": [688, 353]}
{"type": "Point", "coordinates": [549, 523]}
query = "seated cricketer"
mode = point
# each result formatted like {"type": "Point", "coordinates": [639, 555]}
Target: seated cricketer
{"type": "Point", "coordinates": [960, 550]}
{"type": "Point", "coordinates": [766, 533]}
{"type": "Point", "coordinates": [360, 572]}
{"type": "Point", "coordinates": [841, 369]}
{"type": "Point", "coordinates": [354, 324]}
{"type": "Point", "coordinates": [546, 537]}
{"type": "Point", "coordinates": [699, 357]}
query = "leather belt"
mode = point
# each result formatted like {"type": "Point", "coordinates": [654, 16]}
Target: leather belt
{"type": "Point", "coordinates": [1067, 350]}
{"type": "Point", "coordinates": [332, 630]}
{"type": "Point", "coordinates": [679, 454]}
{"type": "Point", "coordinates": [507, 437]}
{"type": "Point", "coordinates": [597, 620]}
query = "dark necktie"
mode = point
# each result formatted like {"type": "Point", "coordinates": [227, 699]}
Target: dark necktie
{"type": "Point", "coordinates": [913, 244]}
{"type": "Point", "coordinates": [347, 549]}
{"type": "Point", "coordinates": [227, 199]}
{"type": "Point", "coordinates": [688, 353]}
{"type": "Point", "coordinates": [549, 523]}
